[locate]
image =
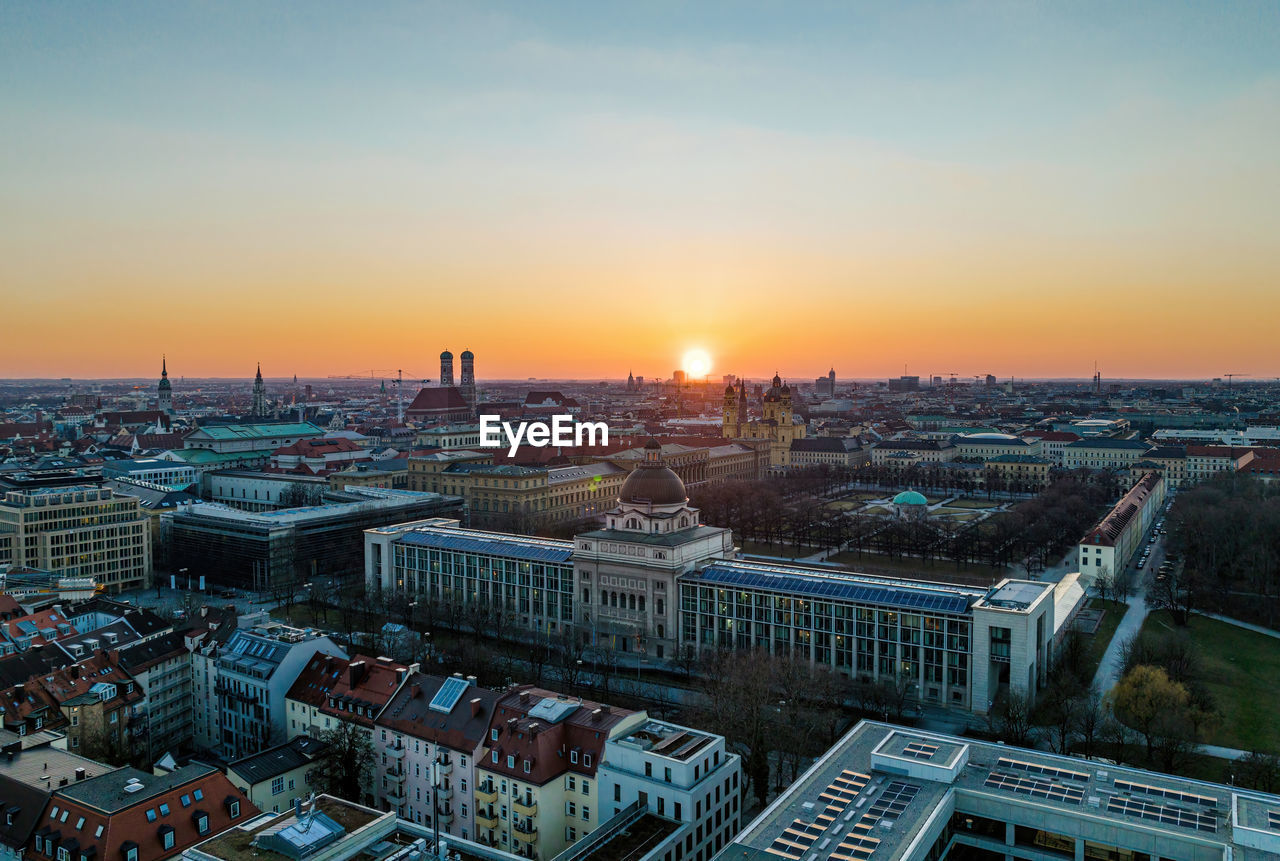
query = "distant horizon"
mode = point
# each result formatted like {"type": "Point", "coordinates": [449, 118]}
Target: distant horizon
{"type": "Point", "coordinates": [711, 379]}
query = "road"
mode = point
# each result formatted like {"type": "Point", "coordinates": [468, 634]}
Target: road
{"type": "Point", "coordinates": [1111, 666]}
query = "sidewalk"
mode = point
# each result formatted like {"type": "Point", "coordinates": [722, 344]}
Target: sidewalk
{"type": "Point", "coordinates": [1248, 626]}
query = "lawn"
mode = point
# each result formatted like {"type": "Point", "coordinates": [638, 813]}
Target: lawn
{"type": "Point", "coordinates": [972, 503]}
{"type": "Point", "coordinates": [1098, 641]}
{"type": "Point", "coordinates": [1241, 668]}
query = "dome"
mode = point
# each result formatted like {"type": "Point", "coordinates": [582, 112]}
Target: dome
{"type": "Point", "coordinates": [982, 436]}
{"type": "Point", "coordinates": [728, 390]}
{"type": "Point", "coordinates": [910, 497]}
{"type": "Point", "coordinates": [446, 355]}
{"type": "Point", "coordinates": [654, 485]}
{"type": "Point", "coordinates": [467, 354]}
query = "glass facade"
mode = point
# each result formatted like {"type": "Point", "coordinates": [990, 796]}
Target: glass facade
{"type": "Point", "coordinates": [860, 640]}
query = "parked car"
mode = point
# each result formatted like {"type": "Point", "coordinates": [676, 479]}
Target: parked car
{"type": "Point", "coordinates": [1142, 563]}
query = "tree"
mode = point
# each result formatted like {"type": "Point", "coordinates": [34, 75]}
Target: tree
{"type": "Point", "coordinates": [1011, 718]}
{"type": "Point", "coordinates": [1147, 700]}
{"type": "Point", "coordinates": [346, 766]}
{"type": "Point", "coordinates": [1256, 770]}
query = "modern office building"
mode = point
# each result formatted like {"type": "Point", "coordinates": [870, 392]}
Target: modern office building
{"type": "Point", "coordinates": [77, 531]}
{"type": "Point", "coordinates": [886, 793]}
{"type": "Point", "coordinates": [162, 474]}
{"type": "Point", "coordinates": [658, 582]}
{"type": "Point", "coordinates": [259, 550]}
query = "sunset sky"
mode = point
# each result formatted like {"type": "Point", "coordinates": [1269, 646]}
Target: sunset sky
{"type": "Point", "coordinates": [583, 189]}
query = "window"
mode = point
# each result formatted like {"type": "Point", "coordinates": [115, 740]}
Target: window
{"type": "Point", "coordinates": [617, 792]}
{"type": "Point", "coordinates": [586, 760]}
{"type": "Point", "coordinates": [235, 809]}
{"type": "Point", "coordinates": [164, 810]}
{"type": "Point", "coordinates": [277, 786]}
{"type": "Point", "coordinates": [130, 852]}
{"type": "Point", "coordinates": [202, 823]}
{"type": "Point", "coordinates": [186, 800]}
{"type": "Point", "coordinates": [166, 837]}
{"type": "Point", "coordinates": [151, 814]}
{"type": "Point", "coordinates": [511, 761]}
{"type": "Point", "coordinates": [493, 735]}
{"type": "Point", "coordinates": [570, 809]}
{"type": "Point", "coordinates": [198, 795]}
{"type": "Point", "coordinates": [79, 823]}
{"type": "Point", "coordinates": [586, 787]}
{"type": "Point", "coordinates": [64, 854]}
{"type": "Point", "coordinates": [586, 813]}
{"type": "Point", "coordinates": [526, 766]}
{"type": "Point", "coordinates": [573, 756]}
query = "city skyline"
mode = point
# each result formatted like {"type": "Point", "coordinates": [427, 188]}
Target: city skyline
{"type": "Point", "coordinates": [981, 188]}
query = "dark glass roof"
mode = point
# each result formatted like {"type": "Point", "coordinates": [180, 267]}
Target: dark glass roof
{"type": "Point", "coordinates": [821, 585]}
{"type": "Point", "coordinates": [531, 549]}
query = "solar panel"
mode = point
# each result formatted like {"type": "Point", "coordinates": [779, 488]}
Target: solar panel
{"type": "Point", "coordinates": [1035, 787]}
{"type": "Point", "coordinates": [533, 550]}
{"type": "Point", "coordinates": [1163, 813]}
{"type": "Point", "coordinates": [448, 695]}
{"type": "Point", "coordinates": [1273, 819]}
{"type": "Point", "coordinates": [920, 750]}
{"type": "Point", "coordinates": [821, 584]}
{"type": "Point", "coordinates": [797, 838]}
{"type": "Point", "coordinates": [1164, 792]}
{"type": "Point", "coordinates": [855, 847]}
{"type": "Point", "coordinates": [1046, 770]}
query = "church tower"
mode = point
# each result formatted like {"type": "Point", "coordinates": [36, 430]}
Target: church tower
{"type": "Point", "coordinates": [467, 388]}
{"type": "Point", "coordinates": [446, 369]}
{"type": "Point", "coordinates": [730, 425]}
{"type": "Point", "coordinates": [259, 396]}
{"type": "Point", "coordinates": [164, 399]}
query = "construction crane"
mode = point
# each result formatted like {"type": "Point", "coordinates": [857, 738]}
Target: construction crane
{"type": "Point", "coordinates": [1230, 377]}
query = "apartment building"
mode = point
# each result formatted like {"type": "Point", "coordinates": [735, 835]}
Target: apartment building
{"type": "Point", "coordinates": [1111, 545]}
{"type": "Point", "coordinates": [254, 672]}
{"type": "Point", "coordinates": [538, 772]}
{"type": "Point", "coordinates": [429, 740]}
{"type": "Point", "coordinates": [331, 690]}
{"type": "Point", "coordinates": [677, 773]}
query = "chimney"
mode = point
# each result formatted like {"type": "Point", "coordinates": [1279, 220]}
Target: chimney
{"type": "Point", "coordinates": [297, 807]}
{"type": "Point", "coordinates": [355, 672]}
{"type": "Point", "coordinates": [475, 707]}
{"type": "Point", "coordinates": [524, 697]}
{"type": "Point", "coordinates": [471, 680]}
{"type": "Point", "coordinates": [79, 774]}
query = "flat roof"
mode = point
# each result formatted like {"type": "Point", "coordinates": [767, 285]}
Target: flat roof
{"type": "Point", "coordinates": [837, 586]}
{"type": "Point", "coordinates": [1031, 785]}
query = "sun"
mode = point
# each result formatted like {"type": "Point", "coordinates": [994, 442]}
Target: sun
{"type": "Point", "coordinates": [697, 363]}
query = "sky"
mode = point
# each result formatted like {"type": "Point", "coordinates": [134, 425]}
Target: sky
{"type": "Point", "coordinates": [585, 189]}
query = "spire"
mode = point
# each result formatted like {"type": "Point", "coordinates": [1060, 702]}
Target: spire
{"type": "Point", "coordinates": [164, 367]}
{"type": "Point", "coordinates": [259, 371]}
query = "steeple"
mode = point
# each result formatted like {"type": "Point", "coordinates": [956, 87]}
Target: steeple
{"type": "Point", "coordinates": [259, 395]}
{"type": "Point", "coordinates": [164, 391]}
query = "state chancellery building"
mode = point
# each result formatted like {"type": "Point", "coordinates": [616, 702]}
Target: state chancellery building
{"type": "Point", "coordinates": [656, 580]}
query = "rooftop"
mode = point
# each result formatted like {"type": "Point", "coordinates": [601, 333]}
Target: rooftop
{"type": "Point", "coordinates": [873, 795]}
{"type": "Point", "coordinates": [838, 585]}
{"type": "Point", "coordinates": [112, 792]}
{"type": "Point", "coordinates": [238, 844]}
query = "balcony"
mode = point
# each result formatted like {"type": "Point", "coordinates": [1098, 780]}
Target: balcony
{"type": "Point", "coordinates": [525, 833]}
{"type": "Point", "coordinates": [486, 794]}
{"type": "Point", "coordinates": [445, 813]}
{"type": "Point", "coordinates": [528, 807]}
{"type": "Point", "coordinates": [443, 793]}
{"type": "Point", "coordinates": [446, 764]}
{"type": "Point", "coordinates": [396, 752]}
{"type": "Point", "coordinates": [486, 819]}
{"type": "Point", "coordinates": [395, 795]}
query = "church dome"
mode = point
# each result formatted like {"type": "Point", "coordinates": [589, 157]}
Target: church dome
{"type": "Point", "coordinates": [446, 355]}
{"type": "Point", "coordinates": [653, 482]}
{"type": "Point", "coordinates": [728, 390]}
{"type": "Point", "coordinates": [467, 354]}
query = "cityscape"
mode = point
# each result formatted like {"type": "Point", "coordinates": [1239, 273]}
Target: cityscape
{"type": "Point", "coordinates": [661, 534]}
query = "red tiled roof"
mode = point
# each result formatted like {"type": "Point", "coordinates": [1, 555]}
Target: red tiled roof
{"type": "Point", "coordinates": [438, 399]}
{"type": "Point", "coordinates": [142, 824]}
